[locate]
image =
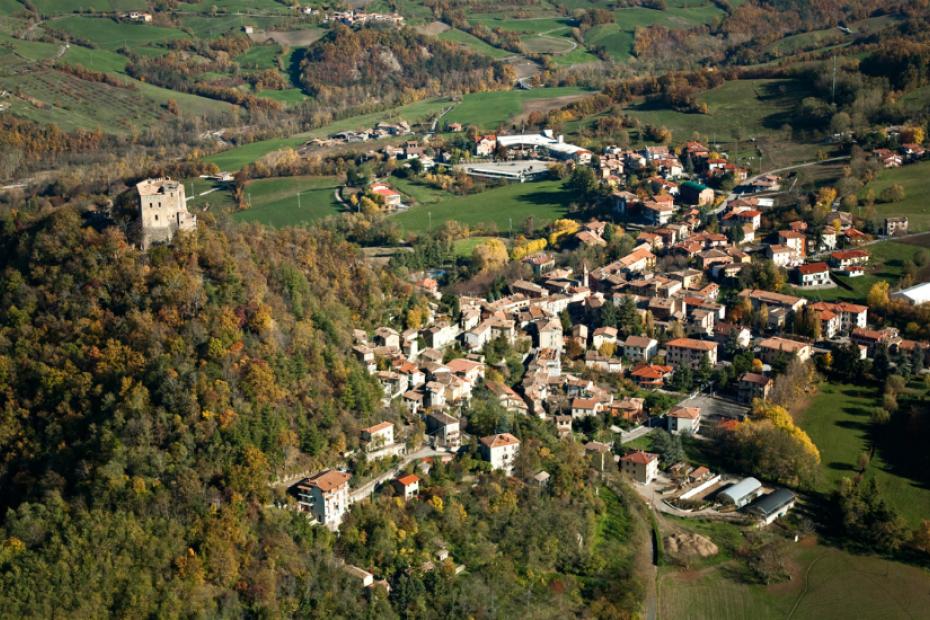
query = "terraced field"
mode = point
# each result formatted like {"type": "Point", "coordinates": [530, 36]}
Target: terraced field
{"type": "Point", "coordinates": [78, 103]}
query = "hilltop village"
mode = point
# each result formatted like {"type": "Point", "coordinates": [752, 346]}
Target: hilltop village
{"type": "Point", "coordinates": [685, 331]}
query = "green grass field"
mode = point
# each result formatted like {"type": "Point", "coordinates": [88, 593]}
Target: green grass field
{"type": "Point", "coordinates": [474, 43]}
{"type": "Point", "coordinates": [260, 57]}
{"type": "Point", "coordinates": [32, 50]}
{"type": "Point", "coordinates": [755, 107]}
{"type": "Point", "coordinates": [464, 247]}
{"type": "Point", "coordinates": [417, 193]}
{"type": "Point", "coordinates": [838, 422]}
{"type": "Point", "coordinates": [288, 96]}
{"type": "Point", "coordinates": [617, 38]}
{"type": "Point", "coordinates": [233, 159]}
{"type": "Point", "coordinates": [112, 35]}
{"type": "Point", "coordinates": [915, 179]}
{"type": "Point", "coordinates": [488, 110]}
{"type": "Point", "coordinates": [266, 6]}
{"type": "Point", "coordinates": [59, 7]}
{"type": "Point", "coordinates": [543, 200]}
{"type": "Point", "coordinates": [533, 25]}
{"type": "Point", "coordinates": [11, 7]}
{"type": "Point", "coordinates": [95, 59]}
{"type": "Point", "coordinates": [275, 203]}
{"type": "Point", "coordinates": [826, 583]}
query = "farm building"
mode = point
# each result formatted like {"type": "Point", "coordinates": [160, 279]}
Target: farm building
{"type": "Point", "coordinates": [741, 493]}
{"type": "Point", "coordinates": [915, 295]}
{"type": "Point", "coordinates": [772, 506]}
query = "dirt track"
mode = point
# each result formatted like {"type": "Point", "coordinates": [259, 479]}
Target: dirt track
{"type": "Point", "coordinates": [544, 105]}
{"type": "Point", "coordinates": [289, 38]}
{"type": "Point", "coordinates": [432, 29]}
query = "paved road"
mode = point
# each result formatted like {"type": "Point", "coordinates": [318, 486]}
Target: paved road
{"type": "Point", "coordinates": [368, 488]}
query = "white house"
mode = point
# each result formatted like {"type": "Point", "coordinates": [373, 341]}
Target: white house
{"type": "Point", "coordinates": [407, 486]}
{"type": "Point", "coordinates": [813, 274]}
{"type": "Point", "coordinates": [500, 450]}
{"type": "Point", "coordinates": [684, 420]}
{"type": "Point", "coordinates": [640, 348]}
{"type": "Point", "coordinates": [325, 496]}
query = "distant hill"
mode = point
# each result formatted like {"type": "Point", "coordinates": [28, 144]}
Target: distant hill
{"type": "Point", "coordinates": [350, 67]}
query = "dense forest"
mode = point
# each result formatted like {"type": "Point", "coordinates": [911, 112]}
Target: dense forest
{"type": "Point", "coordinates": [147, 402]}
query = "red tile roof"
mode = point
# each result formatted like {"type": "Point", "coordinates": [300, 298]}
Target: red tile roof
{"type": "Point", "coordinates": [640, 457]}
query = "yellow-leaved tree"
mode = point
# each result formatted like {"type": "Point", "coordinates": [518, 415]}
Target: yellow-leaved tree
{"type": "Point", "coordinates": [490, 254]}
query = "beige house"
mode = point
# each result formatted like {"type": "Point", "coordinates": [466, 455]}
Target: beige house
{"type": "Point", "coordinates": [690, 352]}
{"type": "Point", "coordinates": [772, 348]}
{"type": "Point", "coordinates": [640, 466]}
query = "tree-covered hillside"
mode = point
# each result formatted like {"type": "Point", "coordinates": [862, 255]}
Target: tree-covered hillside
{"type": "Point", "coordinates": [353, 67]}
{"type": "Point", "coordinates": [147, 401]}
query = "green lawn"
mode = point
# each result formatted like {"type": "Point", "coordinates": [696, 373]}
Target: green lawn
{"type": "Point", "coordinates": [11, 7]}
{"type": "Point", "coordinates": [474, 43]}
{"type": "Point", "coordinates": [838, 422]}
{"type": "Point", "coordinates": [915, 179]}
{"type": "Point", "coordinates": [640, 443]}
{"type": "Point", "coordinates": [73, 103]}
{"type": "Point", "coordinates": [275, 203]}
{"type": "Point", "coordinates": [488, 110]}
{"type": "Point", "coordinates": [543, 200]}
{"type": "Point", "coordinates": [207, 27]}
{"type": "Point", "coordinates": [233, 159]}
{"type": "Point", "coordinates": [266, 6]}
{"type": "Point", "coordinates": [288, 96]}
{"type": "Point", "coordinates": [260, 57]}
{"type": "Point", "coordinates": [465, 247]}
{"type": "Point", "coordinates": [827, 583]}
{"type": "Point", "coordinates": [96, 59]}
{"type": "Point", "coordinates": [33, 50]}
{"type": "Point", "coordinates": [419, 193]}
{"type": "Point", "coordinates": [112, 35]}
